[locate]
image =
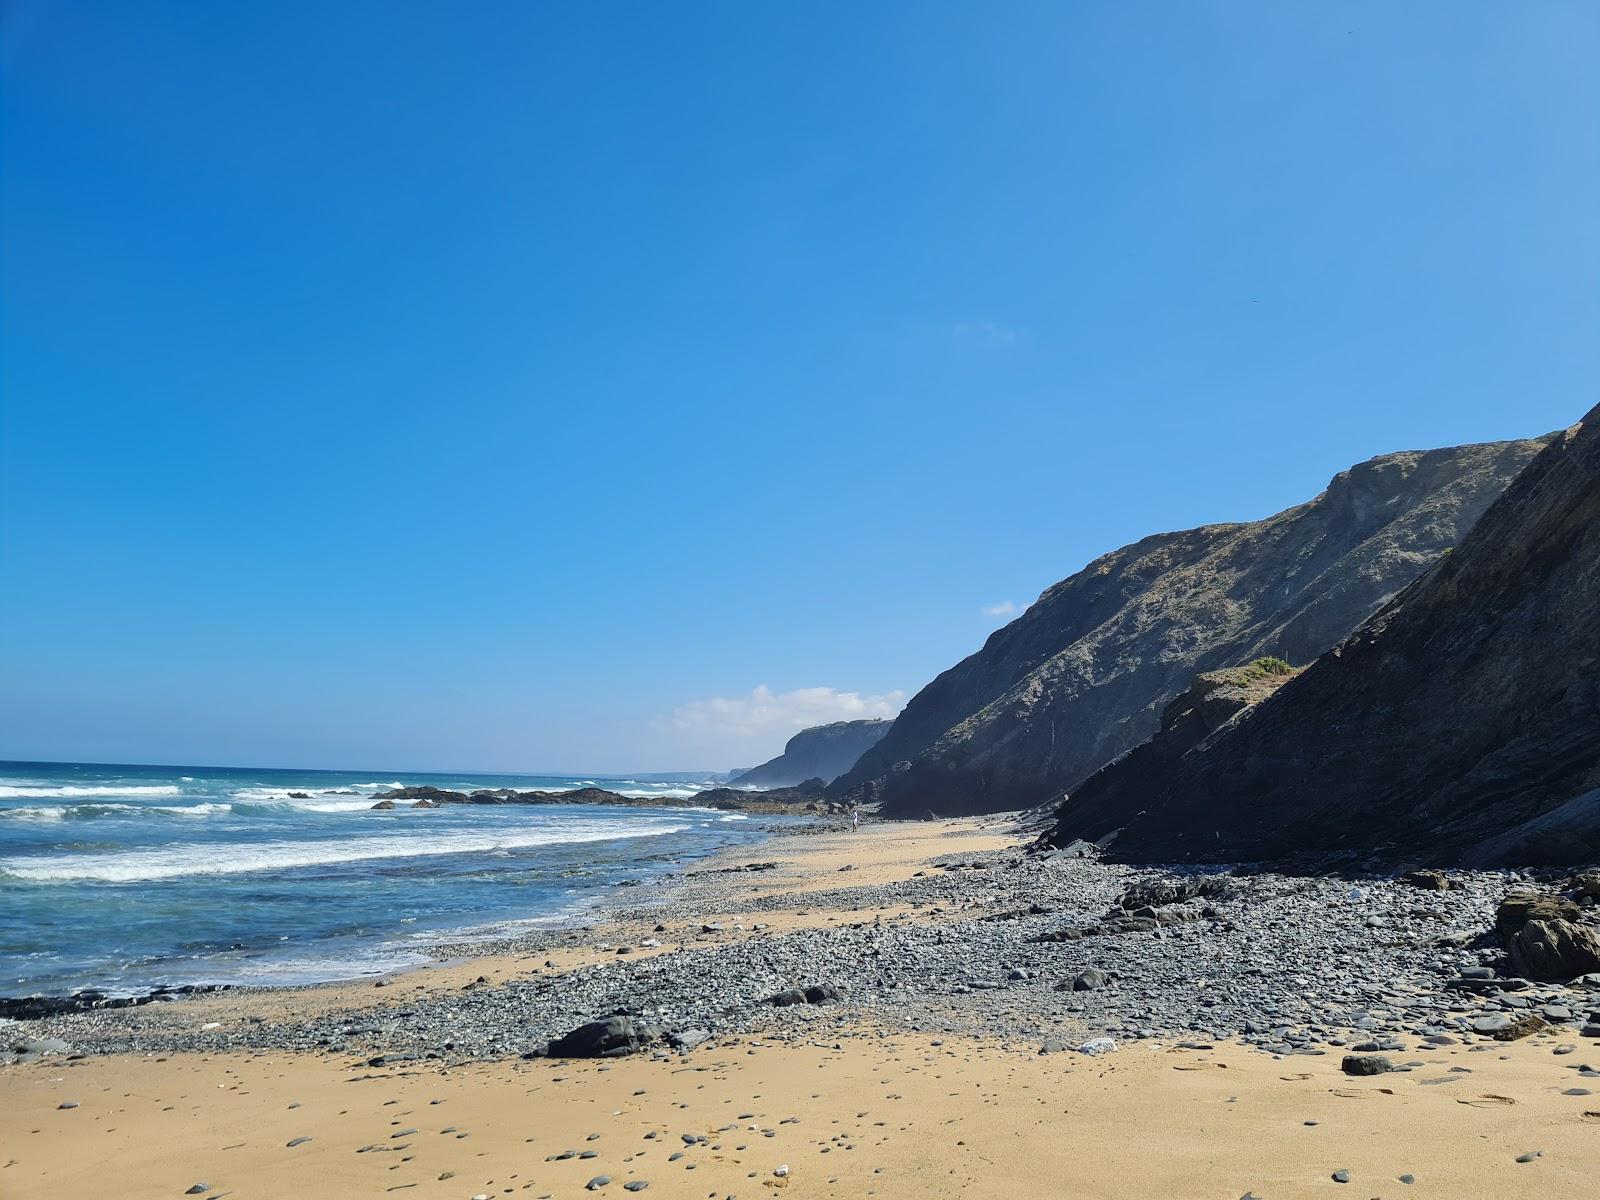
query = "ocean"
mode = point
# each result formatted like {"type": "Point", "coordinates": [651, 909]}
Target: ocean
{"type": "Point", "coordinates": [131, 877]}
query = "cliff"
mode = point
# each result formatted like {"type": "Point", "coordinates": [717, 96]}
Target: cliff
{"type": "Point", "coordinates": [1083, 675]}
{"type": "Point", "coordinates": [1458, 725]}
{"type": "Point", "coordinates": [822, 752]}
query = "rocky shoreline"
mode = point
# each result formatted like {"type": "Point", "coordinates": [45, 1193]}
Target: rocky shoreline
{"type": "Point", "coordinates": [806, 797]}
{"type": "Point", "coordinates": [1052, 949]}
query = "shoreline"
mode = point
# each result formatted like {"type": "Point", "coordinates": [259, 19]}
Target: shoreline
{"type": "Point", "coordinates": [903, 901]}
{"type": "Point", "coordinates": [431, 948]}
{"type": "Point", "coordinates": [958, 1027]}
{"type": "Point", "coordinates": [714, 886]}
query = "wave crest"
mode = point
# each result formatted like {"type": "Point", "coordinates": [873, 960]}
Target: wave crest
{"type": "Point", "coordinates": [179, 862]}
{"type": "Point", "coordinates": [68, 791]}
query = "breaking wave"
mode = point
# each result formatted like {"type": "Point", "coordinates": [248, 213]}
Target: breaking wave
{"type": "Point", "coordinates": [178, 862]}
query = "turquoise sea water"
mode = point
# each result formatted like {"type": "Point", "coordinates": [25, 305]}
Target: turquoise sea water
{"type": "Point", "coordinates": [128, 877]}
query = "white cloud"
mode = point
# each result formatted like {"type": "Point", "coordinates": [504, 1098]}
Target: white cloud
{"type": "Point", "coordinates": [1004, 609]}
{"type": "Point", "coordinates": [765, 713]}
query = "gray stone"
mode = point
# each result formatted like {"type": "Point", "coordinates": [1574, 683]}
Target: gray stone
{"type": "Point", "coordinates": [1367, 1064]}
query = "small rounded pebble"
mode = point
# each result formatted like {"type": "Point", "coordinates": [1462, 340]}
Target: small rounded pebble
{"type": "Point", "coordinates": [1341, 1176]}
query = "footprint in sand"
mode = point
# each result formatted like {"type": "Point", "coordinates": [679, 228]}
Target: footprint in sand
{"type": "Point", "coordinates": [1487, 1100]}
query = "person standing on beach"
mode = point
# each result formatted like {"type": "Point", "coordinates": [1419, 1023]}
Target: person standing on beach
{"type": "Point", "coordinates": [855, 817]}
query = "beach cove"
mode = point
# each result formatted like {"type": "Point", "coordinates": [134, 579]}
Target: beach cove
{"type": "Point", "coordinates": [950, 1066]}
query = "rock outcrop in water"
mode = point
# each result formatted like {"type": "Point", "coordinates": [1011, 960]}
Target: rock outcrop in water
{"type": "Point", "coordinates": [809, 795]}
{"type": "Point", "coordinates": [1459, 725]}
{"type": "Point", "coordinates": [822, 752]}
{"type": "Point", "coordinates": [732, 799]}
{"type": "Point", "coordinates": [1085, 673]}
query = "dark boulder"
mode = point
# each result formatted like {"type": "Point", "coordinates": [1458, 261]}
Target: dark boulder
{"type": "Point", "coordinates": [609, 1037]}
{"type": "Point", "coordinates": [1555, 949]}
{"type": "Point", "coordinates": [1431, 881]}
{"type": "Point", "coordinates": [1146, 920]}
{"type": "Point", "coordinates": [1367, 1064]}
{"type": "Point", "coordinates": [421, 793]}
{"type": "Point", "coordinates": [1518, 908]}
{"type": "Point", "coordinates": [1162, 892]}
{"type": "Point", "coordinates": [33, 1008]}
{"type": "Point", "coordinates": [817, 993]}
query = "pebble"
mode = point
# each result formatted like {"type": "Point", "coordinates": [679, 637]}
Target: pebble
{"type": "Point", "coordinates": [1341, 1176]}
{"type": "Point", "coordinates": [1290, 965]}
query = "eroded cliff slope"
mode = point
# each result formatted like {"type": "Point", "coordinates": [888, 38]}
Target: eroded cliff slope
{"type": "Point", "coordinates": [1083, 675]}
{"type": "Point", "coordinates": [1460, 724]}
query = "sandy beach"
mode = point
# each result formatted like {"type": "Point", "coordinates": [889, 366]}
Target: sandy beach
{"type": "Point", "coordinates": [887, 1117]}
{"type": "Point", "coordinates": [859, 1106]}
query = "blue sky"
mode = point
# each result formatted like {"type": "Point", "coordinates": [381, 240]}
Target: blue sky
{"type": "Point", "coordinates": [516, 386]}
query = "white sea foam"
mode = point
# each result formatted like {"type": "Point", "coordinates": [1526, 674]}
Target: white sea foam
{"type": "Point", "coordinates": [69, 791]}
{"type": "Point", "coordinates": [364, 804]}
{"type": "Point", "coordinates": [177, 862]}
{"type": "Point", "coordinates": [270, 972]}
{"type": "Point", "coordinates": [209, 809]}
{"type": "Point", "coordinates": [82, 812]}
{"type": "Point", "coordinates": [329, 800]}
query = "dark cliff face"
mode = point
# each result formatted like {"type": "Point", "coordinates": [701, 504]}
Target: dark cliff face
{"type": "Point", "coordinates": [1459, 725]}
{"type": "Point", "coordinates": [822, 752]}
{"type": "Point", "coordinates": [1083, 675]}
